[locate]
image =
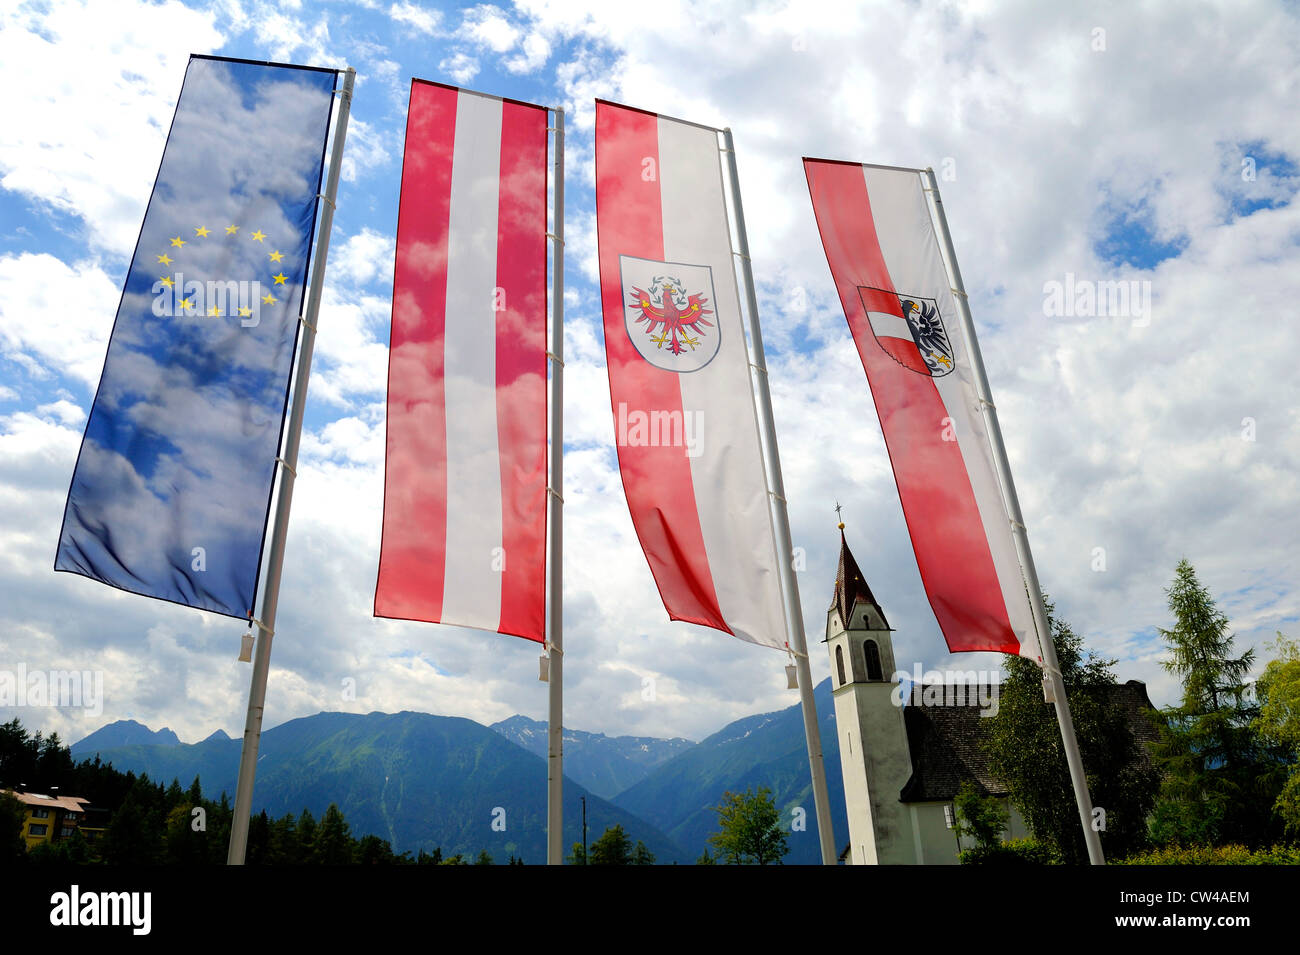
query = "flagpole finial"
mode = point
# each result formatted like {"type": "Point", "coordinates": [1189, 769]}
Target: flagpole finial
{"type": "Point", "coordinates": [838, 515]}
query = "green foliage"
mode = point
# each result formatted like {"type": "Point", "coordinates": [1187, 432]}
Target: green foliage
{"type": "Point", "coordinates": [135, 834]}
{"type": "Point", "coordinates": [612, 848]}
{"type": "Point", "coordinates": [577, 855]}
{"type": "Point", "coordinates": [641, 855]}
{"type": "Point", "coordinates": [1278, 693]}
{"type": "Point", "coordinates": [1027, 851]}
{"type": "Point", "coordinates": [483, 858]}
{"type": "Point", "coordinates": [333, 843]}
{"type": "Point", "coordinates": [1214, 855]}
{"type": "Point", "coordinates": [1221, 778]}
{"type": "Point", "coordinates": [1025, 751]}
{"type": "Point", "coordinates": [13, 847]}
{"type": "Point", "coordinates": [980, 817]}
{"type": "Point", "coordinates": [706, 859]}
{"type": "Point", "coordinates": [749, 829]}
{"type": "Point", "coordinates": [70, 850]}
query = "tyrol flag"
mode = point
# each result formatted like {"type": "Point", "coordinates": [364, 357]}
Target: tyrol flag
{"type": "Point", "coordinates": [464, 531]}
{"type": "Point", "coordinates": [172, 486]}
{"type": "Point", "coordinates": [686, 426]}
{"type": "Point", "coordinates": [888, 267]}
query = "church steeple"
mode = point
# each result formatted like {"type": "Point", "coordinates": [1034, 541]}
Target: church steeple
{"type": "Point", "coordinates": [851, 588]}
{"type": "Point", "coordinates": [869, 720]}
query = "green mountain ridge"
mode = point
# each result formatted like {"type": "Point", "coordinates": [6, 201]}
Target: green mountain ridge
{"type": "Point", "coordinates": [417, 780]}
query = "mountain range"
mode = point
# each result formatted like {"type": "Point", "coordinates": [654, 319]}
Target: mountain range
{"type": "Point", "coordinates": [423, 781]}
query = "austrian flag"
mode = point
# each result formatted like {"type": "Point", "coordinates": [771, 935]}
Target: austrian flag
{"type": "Point", "coordinates": [465, 474]}
{"type": "Point", "coordinates": [885, 257]}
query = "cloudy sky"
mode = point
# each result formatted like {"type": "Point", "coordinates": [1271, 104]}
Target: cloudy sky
{"type": "Point", "coordinates": [1154, 144]}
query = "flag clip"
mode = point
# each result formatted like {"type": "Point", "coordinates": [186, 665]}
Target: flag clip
{"type": "Point", "coordinates": [761, 369]}
{"type": "Point", "coordinates": [957, 291]}
{"type": "Point", "coordinates": [307, 324]}
{"type": "Point", "coordinates": [1016, 525]}
{"type": "Point", "coordinates": [783, 501]}
{"type": "Point", "coordinates": [555, 494]}
{"type": "Point", "coordinates": [333, 204]}
{"type": "Point", "coordinates": [988, 404]}
{"type": "Point", "coordinates": [555, 358]}
{"type": "Point", "coordinates": [288, 467]}
{"type": "Point", "coordinates": [557, 238]}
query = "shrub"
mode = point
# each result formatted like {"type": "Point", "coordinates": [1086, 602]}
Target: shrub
{"type": "Point", "coordinates": [1215, 855]}
{"type": "Point", "coordinates": [1027, 851]}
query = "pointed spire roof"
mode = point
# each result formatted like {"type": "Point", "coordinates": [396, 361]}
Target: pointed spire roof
{"type": "Point", "coordinates": [851, 586]}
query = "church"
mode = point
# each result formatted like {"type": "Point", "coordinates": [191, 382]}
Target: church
{"type": "Point", "coordinates": [903, 765]}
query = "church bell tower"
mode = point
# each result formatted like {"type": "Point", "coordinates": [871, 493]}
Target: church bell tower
{"type": "Point", "coordinates": [873, 739]}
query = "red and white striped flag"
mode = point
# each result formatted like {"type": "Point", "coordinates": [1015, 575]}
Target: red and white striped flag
{"type": "Point", "coordinates": [684, 416]}
{"type": "Point", "coordinates": [885, 257]}
{"type": "Point", "coordinates": [464, 532]}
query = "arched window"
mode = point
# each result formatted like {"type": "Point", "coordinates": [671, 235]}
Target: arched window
{"type": "Point", "coordinates": [839, 663]}
{"type": "Point", "coordinates": [872, 653]}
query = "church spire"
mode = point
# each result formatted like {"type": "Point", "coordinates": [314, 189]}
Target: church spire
{"type": "Point", "coordinates": [851, 586]}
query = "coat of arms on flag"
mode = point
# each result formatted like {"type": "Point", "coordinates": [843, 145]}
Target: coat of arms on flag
{"type": "Point", "coordinates": [910, 330]}
{"type": "Point", "coordinates": [667, 312]}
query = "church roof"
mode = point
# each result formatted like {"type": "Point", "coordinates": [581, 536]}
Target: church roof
{"type": "Point", "coordinates": [851, 586]}
{"type": "Point", "coordinates": [946, 741]}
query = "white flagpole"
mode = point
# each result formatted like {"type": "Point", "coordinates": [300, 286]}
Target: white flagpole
{"type": "Point", "coordinates": [275, 562]}
{"type": "Point", "coordinates": [555, 501]}
{"type": "Point", "coordinates": [1052, 669]}
{"type": "Point", "coordinates": [789, 587]}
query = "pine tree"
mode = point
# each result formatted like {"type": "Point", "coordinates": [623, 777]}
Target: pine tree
{"type": "Point", "coordinates": [333, 843]}
{"type": "Point", "coordinates": [1220, 778]}
{"type": "Point", "coordinates": [612, 848]}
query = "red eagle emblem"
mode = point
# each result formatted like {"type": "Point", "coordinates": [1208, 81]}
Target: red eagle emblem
{"type": "Point", "coordinates": [673, 318]}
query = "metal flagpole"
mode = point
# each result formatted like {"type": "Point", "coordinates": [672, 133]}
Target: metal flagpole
{"type": "Point", "coordinates": [555, 496]}
{"type": "Point", "coordinates": [1050, 665]}
{"type": "Point", "coordinates": [275, 562]}
{"type": "Point", "coordinates": [790, 589]}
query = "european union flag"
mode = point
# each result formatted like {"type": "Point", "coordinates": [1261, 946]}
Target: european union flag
{"type": "Point", "coordinates": [172, 488]}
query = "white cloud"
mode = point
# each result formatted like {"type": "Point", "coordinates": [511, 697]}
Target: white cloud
{"type": "Point", "coordinates": [64, 411]}
{"type": "Point", "coordinates": [487, 26]}
{"type": "Point", "coordinates": [461, 67]}
{"type": "Point", "coordinates": [123, 105]}
{"type": "Point", "coordinates": [423, 19]}
{"type": "Point", "coordinates": [40, 330]}
{"type": "Point", "coordinates": [536, 50]}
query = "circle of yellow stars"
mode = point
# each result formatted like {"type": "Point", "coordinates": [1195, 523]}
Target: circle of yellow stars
{"type": "Point", "coordinates": [186, 306]}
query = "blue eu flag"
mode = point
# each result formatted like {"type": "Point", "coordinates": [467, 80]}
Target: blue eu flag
{"type": "Point", "coordinates": [172, 488]}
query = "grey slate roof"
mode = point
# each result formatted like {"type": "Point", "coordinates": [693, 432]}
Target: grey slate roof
{"type": "Point", "coordinates": [946, 742]}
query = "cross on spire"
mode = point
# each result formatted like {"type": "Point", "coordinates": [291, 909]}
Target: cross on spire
{"type": "Point", "coordinates": [838, 517]}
